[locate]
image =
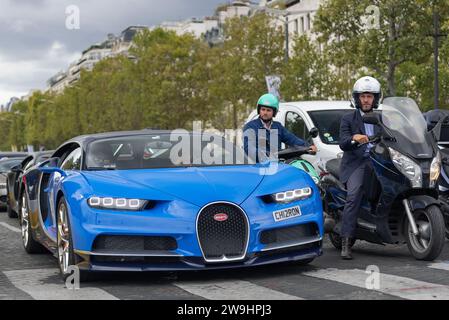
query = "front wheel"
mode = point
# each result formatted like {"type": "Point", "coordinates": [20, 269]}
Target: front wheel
{"type": "Point", "coordinates": [30, 245]}
{"type": "Point", "coordinates": [429, 242]}
{"type": "Point", "coordinates": [66, 255]}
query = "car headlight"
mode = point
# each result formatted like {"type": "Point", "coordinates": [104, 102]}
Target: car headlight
{"type": "Point", "coordinates": [407, 167]}
{"type": "Point", "coordinates": [117, 203]}
{"type": "Point", "coordinates": [292, 195]}
{"type": "Point", "coordinates": [435, 170]}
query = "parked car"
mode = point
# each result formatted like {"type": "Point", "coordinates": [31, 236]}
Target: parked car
{"type": "Point", "coordinates": [12, 155]}
{"type": "Point", "coordinates": [123, 201]}
{"type": "Point", "coordinates": [301, 117]}
{"type": "Point", "coordinates": [14, 178]}
{"type": "Point", "coordinates": [5, 166]}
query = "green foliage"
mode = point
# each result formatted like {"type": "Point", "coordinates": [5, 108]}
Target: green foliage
{"type": "Point", "coordinates": [174, 80]}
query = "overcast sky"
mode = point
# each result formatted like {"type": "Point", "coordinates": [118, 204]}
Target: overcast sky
{"type": "Point", "coordinates": [35, 43]}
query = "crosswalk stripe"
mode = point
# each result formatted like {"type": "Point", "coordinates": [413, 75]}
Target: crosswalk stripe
{"type": "Point", "coordinates": [402, 287]}
{"type": "Point", "coordinates": [443, 265]}
{"type": "Point", "coordinates": [11, 228]}
{"type": "Point", "coordinates": [35, 283]}
{"type": "Point", "coordinates": [233, 290]}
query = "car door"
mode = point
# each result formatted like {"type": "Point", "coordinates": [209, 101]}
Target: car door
{"type": "Point", "coordinates": [70, 163]}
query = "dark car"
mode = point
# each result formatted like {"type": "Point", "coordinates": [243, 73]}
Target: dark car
{"type": "Point", "coordinates": [5, 166]}
{"type": "Point", "coordinates": [9, 155]}
{"type": "Point", "coordinates": [14, 177]}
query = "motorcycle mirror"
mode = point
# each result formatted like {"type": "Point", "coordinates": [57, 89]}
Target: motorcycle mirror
{"type": "Point", "coordinates": [371, 119]}
{"type": "Point", "coordinates": [314, 132]}
{"type": "Point", "coordinates": [436, 131]}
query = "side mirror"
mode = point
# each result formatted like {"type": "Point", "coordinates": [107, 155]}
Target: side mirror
{"type": "Point", "coordinates": [314, 132]}
{"type": "Point", "coordinates": [51, 170]}
{"type": "Point", "coordinates": [17, 169]}
{"type": "Point", "coordinates": [371, 119]}
{"type": "Point", "coordinates": [51, 163]}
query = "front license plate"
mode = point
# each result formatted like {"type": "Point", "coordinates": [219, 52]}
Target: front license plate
{"type": "Point", "coordinates": [286, 214]}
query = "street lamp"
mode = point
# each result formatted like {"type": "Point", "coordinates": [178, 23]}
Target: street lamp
{"type": "Point", "coordinates": [262, 6]}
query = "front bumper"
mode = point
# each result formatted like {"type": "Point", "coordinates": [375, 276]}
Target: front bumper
{"type": "Point", "coordinates": [177, 220]}
{"type": "Point", "coordinates": [180, 263]}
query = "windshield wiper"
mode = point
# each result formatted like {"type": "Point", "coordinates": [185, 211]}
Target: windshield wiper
{"type": "Point", "coordinates": [101, 169]}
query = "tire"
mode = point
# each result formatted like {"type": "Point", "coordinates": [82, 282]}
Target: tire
{"type": "Point", "coordinates": [446, 225]}
{"type": "Point", "coordinates": [30, 245]}
{"type": "Point", "coordinates": [336, 240]}
{"type": "Point", "coordinates": [429, 244]}
{"type": "Point", "coordinates": [65, 252]}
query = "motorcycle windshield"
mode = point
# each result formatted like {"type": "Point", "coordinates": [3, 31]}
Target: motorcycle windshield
{"type": "Point", "coordinates": [407, 124]}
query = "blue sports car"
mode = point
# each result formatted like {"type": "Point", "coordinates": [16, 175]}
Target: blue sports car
{"type": "Point", "coordinates": [146, 200]}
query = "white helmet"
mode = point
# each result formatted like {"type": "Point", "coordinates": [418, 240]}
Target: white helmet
{"type": "Point", "coordinates": [366, 85]}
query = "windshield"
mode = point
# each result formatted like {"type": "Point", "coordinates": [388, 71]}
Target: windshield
{"type": "Point", "coordinates": [403, 116]}
{"type": "Point", "coordinates": [407, 124]}
{"type": "Point", "coordinates": [7, 165]}
{"type": "Point", "coordinates": [328, 124]}
{"type": "Point", "coordinates": [162, 151]}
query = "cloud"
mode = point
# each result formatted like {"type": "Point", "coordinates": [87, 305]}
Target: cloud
{"type": "Point", "coordinates": [35, 43]}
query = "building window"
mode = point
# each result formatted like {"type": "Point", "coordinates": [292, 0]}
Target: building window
{"type": "Point", "coordinates": [302, 25]}
{"type": "Point", "coordinates": [308, 22]}
{"type": "Point", "coordinates": [296, 26]}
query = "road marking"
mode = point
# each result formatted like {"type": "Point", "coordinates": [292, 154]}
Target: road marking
{"type": "Point", "coordinates": [233, 290]}
{"type": "Point", "coordinates": [442, 265]}
{"type": "Point", "coordinates": [11, 228]}
{"type": "Point", "coordinates": [35, 282]}
{"type": "Point", "coordinates": [402, 287]}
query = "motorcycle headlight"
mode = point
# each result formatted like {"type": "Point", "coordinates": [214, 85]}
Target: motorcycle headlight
{"type": "Point", "coordinates": [117, 203]}
{"type": "Point", "coordinates": [292, 195]}
{"type": "Point", "coordinates": [435, 170]}
{"type": "Point", "coordinates": [407, 167]}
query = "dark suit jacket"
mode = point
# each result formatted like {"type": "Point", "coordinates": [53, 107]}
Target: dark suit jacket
{"type": "Point", "coordinates": [353, 157]}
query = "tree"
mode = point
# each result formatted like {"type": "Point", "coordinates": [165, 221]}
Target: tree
{"type": "Point", "coordinates": [253, 49]}
{"type": "Point", "coordinates": [400, 37]}
{"type": "Point", "coordinates": [308, 75]}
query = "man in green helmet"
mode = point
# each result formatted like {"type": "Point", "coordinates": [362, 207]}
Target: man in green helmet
{"type": "Point", "coordinates": [257, 134]}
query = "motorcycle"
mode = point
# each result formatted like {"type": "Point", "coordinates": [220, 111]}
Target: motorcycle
{"type": "Point", "coordinates": [400, 201]}
{"type": "Point", "coordinates": [439, 119]}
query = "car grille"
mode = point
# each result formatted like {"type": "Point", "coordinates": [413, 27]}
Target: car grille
{"type": "Point", "coordinates": [222, 241]}
{"type": "Point", "coordinates": [289, 234]}
{"type": "Point", "coordinates": [134, 243]}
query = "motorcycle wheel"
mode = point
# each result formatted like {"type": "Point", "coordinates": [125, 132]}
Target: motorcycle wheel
{"type": "Point", "coordinates": [429, 243]}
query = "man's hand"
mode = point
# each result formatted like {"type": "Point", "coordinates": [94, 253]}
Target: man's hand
{"type": "Point", "coordinates": [313, 149]}
{"type": "Point", "coordinates": [360, 138]}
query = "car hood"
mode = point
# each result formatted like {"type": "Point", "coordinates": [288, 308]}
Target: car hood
{"type": "Point", "coordinates": [198, 186]}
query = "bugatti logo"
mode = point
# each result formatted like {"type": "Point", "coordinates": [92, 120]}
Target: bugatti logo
{"type": "Point", "coordinates": [221, 217]}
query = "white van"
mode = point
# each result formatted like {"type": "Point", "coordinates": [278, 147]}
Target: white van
{"type": "Point", "coordinates": [300, 117]}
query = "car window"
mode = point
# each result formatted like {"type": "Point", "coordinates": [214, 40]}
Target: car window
{"type": "Point", "coordinates": [161, 151]}
{"type": "Point", "coordinates": [296, 125]}
{"type": "Point", "coordinates": [73, 161]}
{"type": "Point", "coordinates": [328, 124]}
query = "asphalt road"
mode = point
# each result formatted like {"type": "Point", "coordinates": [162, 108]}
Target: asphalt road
{"type": "Point", "coordinates": [26, 277]}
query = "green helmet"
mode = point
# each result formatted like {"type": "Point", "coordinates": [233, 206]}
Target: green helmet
{"type": "Point", "coordinates": [269, 101]}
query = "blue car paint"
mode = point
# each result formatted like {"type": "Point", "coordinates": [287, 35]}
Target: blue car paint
{"type": "Point", "coordinates": [180, 194]}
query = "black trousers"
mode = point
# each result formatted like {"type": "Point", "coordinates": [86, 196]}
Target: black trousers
{"type": "Point", "coordinates": [354, 197]}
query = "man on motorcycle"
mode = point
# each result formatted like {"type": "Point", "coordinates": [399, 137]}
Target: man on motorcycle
{"type": "Point", "coordinates": [354, 138]}
{"type": "Point", "coordinates": [257, 133]}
